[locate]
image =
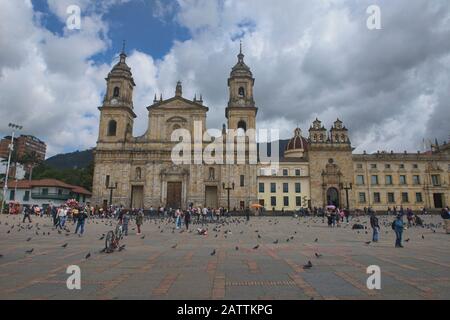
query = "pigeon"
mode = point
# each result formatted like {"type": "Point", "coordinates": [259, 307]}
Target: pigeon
{"type": "Point", "coordinates": [308, 265]}
{"type": "Point", "coordinates": [1, 256]}
{"type": "Point", "coordinates": [174, 246]}
{"type": "Point", "coordinates": [423, 237]}
{"type": "Point", "coordinates": [368, 242]}
{"type": "Point", "coordinates": [259, 236]}
{"type": "Point", "coordinates": [143, 237]}
{"type": "Point", "coordinates": [88, 256]}
{"type": "Point", "coordinates": [64, 245]}
{"type": "Point", "coordinates": [102, 237]}
{"type": "Point", "coordinates": [237, 248]}
{"type": "Point", "coordinates": [275, 242]}
{"type": "Point", "coordinates": [122, 248]}
{"type": "Point", "coordinates": [213, 253]}
{"type": "Point", "coordinates": [256, 247]}
{"type": "Point", "coordinates": [316, 240]}
{"type": "Point", "coordinates": [29, 239]}
{"type": "Point", "coordinates": [30, 251]}
{"type": "Point", "coordinates": [318, 255]}
{"type": "Point", "coordinates": [407, 240]}
{"type": "Point", "coordinates": [9, 231]}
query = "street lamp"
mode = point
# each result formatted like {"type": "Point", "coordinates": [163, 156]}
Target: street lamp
{"type": "Point", "coordinates": [14, 127]}
{"type": "Point", "coordinates": [347, 187]}
{"type": "Point", "coordinates": [228, 188]}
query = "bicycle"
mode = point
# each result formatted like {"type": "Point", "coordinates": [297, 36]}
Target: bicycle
{"type": "Point", "coordinates": [112, 241]}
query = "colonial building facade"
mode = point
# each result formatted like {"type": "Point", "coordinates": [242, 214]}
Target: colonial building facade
{"type": "Point", "coordinates": [313, 171]}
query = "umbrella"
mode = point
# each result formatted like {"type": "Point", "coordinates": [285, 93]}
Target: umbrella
{"type": "Point", "coordinates": [256, 206]}
{"type": "Point", "coordinates": [331, 207]}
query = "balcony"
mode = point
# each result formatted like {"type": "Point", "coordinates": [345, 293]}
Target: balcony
{"type": "Point", "coordinates": [52, 196]}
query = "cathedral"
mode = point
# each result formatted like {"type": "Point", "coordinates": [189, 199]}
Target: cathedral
{"type": "Point", "coordinates": [314, 171]}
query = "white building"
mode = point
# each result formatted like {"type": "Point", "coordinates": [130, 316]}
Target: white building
{"type": "Point", "coordinates": [45, 192]}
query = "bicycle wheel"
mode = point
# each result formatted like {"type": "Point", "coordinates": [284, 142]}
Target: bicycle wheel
{"type": "Point", "coordinates": [109, 242]}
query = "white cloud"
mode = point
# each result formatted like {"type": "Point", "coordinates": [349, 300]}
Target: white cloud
{"type": "Point", "coordinates": [310, 59]}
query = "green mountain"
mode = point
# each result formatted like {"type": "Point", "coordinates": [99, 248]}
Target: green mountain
{"type": "Point", "coordinates": [73, 160]}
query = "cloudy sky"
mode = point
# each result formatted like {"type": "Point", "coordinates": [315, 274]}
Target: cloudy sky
{"type": "Point", "coordinates": [310, 58]}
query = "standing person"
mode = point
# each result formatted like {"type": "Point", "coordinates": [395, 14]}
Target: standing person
{"type": "Point", "coordinates": [346, 214]}
{"type": "Point", "coordinates": [410, 217]}
{"type": "Point", "coordinates": [81, 219]}
{"type": "Point", "coordinates": [26, 214]}
{"type": "Point", "coordinates": [187, 218]}
{"type": "Point", "coordinates": [375, 226]}
{"type": "Point", "coordinates": [247, 213]}
{"type": "Point", "coordinates": [446, 216]}
{"type": "Point", "coordinates": [62, 215]}
{"type": "Point", "coordinates": [139, 221]}
{"type": "Point", "coordinates": [398, 228]}
{"type": "Point", "coordinates": [125, 220]}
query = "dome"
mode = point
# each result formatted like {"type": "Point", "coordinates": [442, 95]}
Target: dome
{"type": "Point", "coordinates": [297, 142]}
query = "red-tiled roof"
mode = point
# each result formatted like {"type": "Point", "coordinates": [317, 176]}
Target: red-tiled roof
{"type": "Point", "coordinates": [26, 184]}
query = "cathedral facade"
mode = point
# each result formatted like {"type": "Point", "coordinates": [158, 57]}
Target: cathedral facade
{"type": "Point", "coordinates": [313, 171]}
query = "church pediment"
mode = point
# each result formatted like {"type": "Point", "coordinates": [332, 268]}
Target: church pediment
{"type": "Point", "coordinates": [177, 103]}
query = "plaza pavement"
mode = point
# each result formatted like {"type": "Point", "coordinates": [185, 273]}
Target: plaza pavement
{"type": "Point", "coordinates": [150, 268]}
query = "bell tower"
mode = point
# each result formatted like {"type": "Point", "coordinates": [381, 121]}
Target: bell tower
{"type": "Point", "coordinates": [241, 111]}
{"type": "Point", "coordinates": [116, 113]}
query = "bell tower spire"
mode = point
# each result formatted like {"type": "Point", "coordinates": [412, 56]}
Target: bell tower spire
{"type": "Point", "coordinates": [241, 111]}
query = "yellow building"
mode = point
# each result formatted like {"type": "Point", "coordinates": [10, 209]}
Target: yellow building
{"type": "Point", "coordinates": [286, 187]}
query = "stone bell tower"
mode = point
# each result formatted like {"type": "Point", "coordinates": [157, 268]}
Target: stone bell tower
{"type": "Point", "coordinates": [241, 111]}
{"type": "Point", "coordinates": [116, 113]}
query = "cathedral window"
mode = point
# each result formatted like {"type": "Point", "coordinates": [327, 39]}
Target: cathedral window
{"type": "Point", "coordinates": [116, 93]}
{"type": "Point", "coordinates": [112, 128]}
{"type": "Point", "coordinates": [241, 92]}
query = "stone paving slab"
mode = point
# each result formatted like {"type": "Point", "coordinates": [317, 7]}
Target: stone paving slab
{"type": "Point", "coordinates": [183, 265]}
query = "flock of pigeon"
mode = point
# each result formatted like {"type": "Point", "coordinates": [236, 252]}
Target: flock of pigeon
{"type": "Point", "coordinates": [219, 228]}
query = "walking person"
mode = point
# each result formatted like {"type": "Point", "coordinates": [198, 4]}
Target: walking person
{"type": "Point", "coordinates": [81, 219]}
{"type": "Point", "coordinates": [375, 226]}
{"type": "Point", "coordinates": [187, 219]}
{"type": "Point", "coordinates": [398, 228]}
{"type": "Point", "coordinates": [247, 213]}
{"type": "Point", "coordinates": [125, 221]}
{"type": "Point", "coordinates": [139, 221]}
{"type": "Point", "coordinates": [26, 214]}
{"type": "Point", "coordinates": [62, 215]}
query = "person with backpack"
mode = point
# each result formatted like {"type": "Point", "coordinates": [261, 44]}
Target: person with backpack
{"type": "Point", "coordinates": [446, 216]}
{"type": "Point", "coordinates": [397, 226]}
{"type": "Point", "coordinates": [375, 226]}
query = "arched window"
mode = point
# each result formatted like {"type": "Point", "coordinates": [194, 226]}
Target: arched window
{"type": "Point", "coordinates": [116, 93]}
{"type": "Point", "coordinates": [138, 174]}
{"type": "Point", "coordinates": [342, 138]}
{"type": "Point", "coordinates": [112, 128]}
{"type": "Point", "coordinates": [241, 92]}
{"type": "Point", "coordinates": [321, 138]}
{"type": "Point", "coordinates": [242, 125]}
{"type": "Point", "coordinates": [315, 137]}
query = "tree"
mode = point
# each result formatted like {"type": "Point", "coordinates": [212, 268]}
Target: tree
{"type": "Point", "coordinates": [30, 160]}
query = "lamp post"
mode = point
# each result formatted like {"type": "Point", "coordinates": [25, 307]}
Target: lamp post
{"type": "Point", "coordinates": [347, 187]}
{"type": "Point", "coordinates": [14, 127]}
{"type": "Point", "coordinates": [228, 188]}
{"type": "Point", "coordinates": [111, 189]}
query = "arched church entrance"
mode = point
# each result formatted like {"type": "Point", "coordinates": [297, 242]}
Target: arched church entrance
{"type": "Point", "coordinates": [333, 197]}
